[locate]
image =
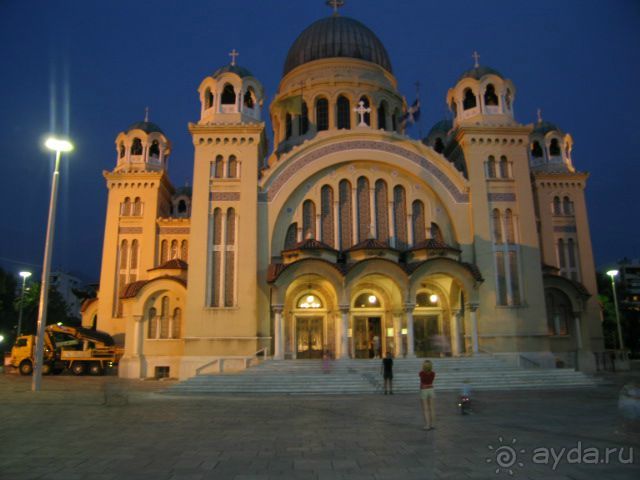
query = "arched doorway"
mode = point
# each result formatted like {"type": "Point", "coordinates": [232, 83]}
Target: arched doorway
{"type": "Point", "coordinates": [368, 331]}
{"type": "Point", "coordinates": [430, 328]}
{"type": "Point", "coordinates": [309, 335]}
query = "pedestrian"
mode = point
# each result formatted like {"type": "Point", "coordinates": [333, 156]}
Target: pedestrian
{"type": "Point", "coordinates": [387, 373]}
{"type": "Point", "coordinates": [326, 361]}
{"type": "Point", "coordinates": [427, 394]}
{"type": "Point", "coordinates": [376, 346]}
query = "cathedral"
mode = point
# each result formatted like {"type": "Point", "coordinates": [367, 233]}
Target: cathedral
{"type": "Point", "coordinates": [342, 235]}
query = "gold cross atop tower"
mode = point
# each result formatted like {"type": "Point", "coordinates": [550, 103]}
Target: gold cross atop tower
{"type": "Point", "coordinates": [476, 58]}
{"type": "Point", "coordinates": [335, 4]}
{"type": "Point", "coordinates": [233, 54]}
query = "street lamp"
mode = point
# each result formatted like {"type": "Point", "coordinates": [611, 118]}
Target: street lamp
{"type": "Point", "coordinates": [613, 274]}
{"type": "Point", "coordinates": [57, 145]}
{"type": "Point", "coordinates": [24, 276]}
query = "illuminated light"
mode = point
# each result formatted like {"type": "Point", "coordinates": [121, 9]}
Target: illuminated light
{"type": "Point", "coordinates": [310, 299]}
{"type": "Point", "coordinates": [390, 332]}
{"type": "Point", "coordinates": [612, 273]}
{"type": "Point", "coordinates": [1, 338]}
{"type": "Point", "coordinates": [59, 324]}
{"type": "Point", "coordinates": [404, 331]}
{"type": "Point", "coordinates": [58, 144]}
{"type": "Point", "coordinates": [350, 333]}
{"type": "Point", "coordinates": [372, 299]}
{"type": "Point", "coordinates": [433, 298]}
{"type": "Point", "coordinates": [25, 275]}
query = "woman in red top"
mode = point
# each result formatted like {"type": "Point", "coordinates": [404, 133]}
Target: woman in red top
{"type": "Point", "coordinates": [427, 395]}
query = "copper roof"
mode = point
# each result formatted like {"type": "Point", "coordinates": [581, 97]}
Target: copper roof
{"type": "Point", "coordinates": [433, 244]}
{"type": "Point", "coordinates": [371, 244]}
{"type": "Point", "coordinates": [309, 244]}
{"type": "Point", "coordinates": [132, 289]}
{"type": "Point", "coordinates": [173, 264]}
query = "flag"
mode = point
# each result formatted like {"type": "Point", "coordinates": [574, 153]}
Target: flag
{"type": "Point", "coordinates": [292, 104]}
{"type": "Point", "coordinates": [413, 112]}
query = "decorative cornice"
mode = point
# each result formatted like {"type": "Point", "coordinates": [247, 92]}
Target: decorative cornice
{"type": "Point", "coordinates": [129, 230]}
{"type": "Point", "coordinates": [174, 230]}
{"type": "Point", "coordinates": [224, 196]}
{"type": "Point", "coordinates": [565, 228]}
{"type": "Point", "coordinates": [501, 196]}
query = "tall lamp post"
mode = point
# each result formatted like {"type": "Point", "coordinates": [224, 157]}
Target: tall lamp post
{"type": "Point", "coordinates": [613, 274]}
{"type": "Point", "coordinates": [24, 276]}
{"type": "Point", "coordinates": [58, 146]}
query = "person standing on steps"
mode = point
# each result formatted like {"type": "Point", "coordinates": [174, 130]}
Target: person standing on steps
{"type": "Point", "coordinates": [387, 373]}
{"type": "Point", "coordinates": [427, 394]}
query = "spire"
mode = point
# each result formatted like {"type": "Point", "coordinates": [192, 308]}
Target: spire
{"type": "Point", "coordinates": [146, 114]}
{"type": "Point", "coordinates": [233, 54]}
{"type": "Point", "coordinates": [335, 4]}
{"type": "Point", "coordinates": [476, 58]}
{"type": "Point", "coordinates": [539, 116]}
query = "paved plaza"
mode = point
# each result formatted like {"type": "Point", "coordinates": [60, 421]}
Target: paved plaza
{"type": "Point", "coordinates": [106, 428]}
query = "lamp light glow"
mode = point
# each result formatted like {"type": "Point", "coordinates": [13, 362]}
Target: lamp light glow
{"type": "Point", "coordinates": [372, 299]}
{"type": "Point", "coordinates": [58, 144]}
{"type": "Point", "coordinates": [1, 338]}
{"type": "Point", "coordinates": [25, 274]}
{"type": "Point", "coordinates": [433, 298]}
{"type": "Point", "coordinates": [612, 273]}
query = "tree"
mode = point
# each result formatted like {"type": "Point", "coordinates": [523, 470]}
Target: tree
{"type": "Point", "coordinates": [57, 308]}
{"type": "Point", "coordinates": [8, 316]}
{"type": "Point", "coordinates": [629, 318]}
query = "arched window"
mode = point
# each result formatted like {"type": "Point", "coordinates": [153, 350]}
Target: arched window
{"type": "Point", "coordinates": [344, 112]}
{"type": "Point", "coordinates": [124, 254]}
{"type": "Point", "coordinates": [427, 299]}
{"type": "Point", "coordinates": [154, 150]}
{"type": "Point", "coordinates": [230, 257]}
{"type": "Point", "coordinates": [176, 323]}
{"type": "Point", "coordinates": [309, 300]}
{"type": "Point", "coordinates": [219, 167]}
{"type": "Point", "coordinates": [137, 207]}
{"type": "Point", "coordinates": [536, 150]}
{"type": "Point", "coordinates": [364, 209]}
{"type": "Point", "coordinates": [182, 206]}
{"type": "Point", "coordinates": [308, 220]}
{"type": "Point", "coordinates": [490, 97]}
{"type": "Point", "coordinates": [554, 148]}
{"type": "Point", "coordinates": [164, 252]}
{"type": "Point", "coordinates": [208, 99]}
{"type": "Point", "coordinates": [491, 167]}
{"type": "Point", "coordinates": [504, 167]}
{"type": "Point", "coordinates": [382, 211]}
{"type": "Point", "coordinates": [231, 227]}
{"type": "Point", "coordinates": [567, 206]}
{"type": "Point", "coordinates": [419, 227]}
{"type": "Point", "coordinates": [136, 147]}
{"type": "Point", "coordinates": [558, 311]}
{"type": "Point", "coordinates": [232, 168]}
{"type": "Point", "coordinates": [497, 226]}
{"type": "Point", "coordinates": [152, 331]}
{"type": "Point", "coordinates": [400, 216]}
{"type": "Point", "coordinates": [436, 233]}
{"type": "Point", "coordinates": [164, 317]}
{"type": "Point", "coordinates": [509, 228]}
{"type": "Point", "coordinates": [228, 95]}
{"type": "Point", "coordinates": [557, 206]}
{"type": "Point", "coordinates": [216, 260]}
{"type": "Point", "coordinates": [134, 256]}
{"type": "Point", "coordinates": [382, 115]}
{"type": "Point", "coordinates": [394, 119]}
{"type": "Point", "coordinates": [469, 100]}
{"type": "Point", "coordinates": [438, 146]}
{"type": "Point", "coordinates": [322, 114]}
{"type": "Point", "coordinates": [346, 221]}
{"type": "Point", "coordinates": [288, 126]}
{"type": "Point", "coordinates": [291, 237]}
{"type": "Point", "coordinates": [174, 249]}
{"type": "Point", "coordinates": [366, 104]}
{"type": "Point", "coordinates": [249, 98]}
{"type": "Point", "coordinates": [572, 253]}
{"type": "Point", "coordinates": [366, 300]}
{"type": "Point", "coordinates": [126, 207]}
{"type": "Point", "coordinates": [184, 250]}
{"type": "Point", "coordinates": [562, 262]}
{"type": "Point", "coordinates": [303, 119]}
{"type": "Point", "coordinates": [326, 212]}
{"type": "Point", "coordinates": [121, 149]}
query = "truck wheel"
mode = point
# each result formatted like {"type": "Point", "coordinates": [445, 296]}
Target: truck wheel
{"type": "Point", "coordinates": [95, 368]}
{"type": "Point", "coordinates": [47, 369]}
{"type": "Point", "coordinates": [26, 368]}
{"type": "Point", "coordinates": [78, 368]}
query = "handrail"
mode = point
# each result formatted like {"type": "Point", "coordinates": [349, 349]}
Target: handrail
{"type": "Point", "coordinates": [532, 363]}
{"type": "Point", "coordinates": [220, 360]}
{"type": "Point", "coordinates": [265, 356]}
{"type": "Point", "coordinates": [212, 362]}
{"type": "Point", "coordinates": [484, 350]}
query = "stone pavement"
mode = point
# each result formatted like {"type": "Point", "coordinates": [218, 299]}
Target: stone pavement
{"type": "Point", "coordinates": [106, 428]}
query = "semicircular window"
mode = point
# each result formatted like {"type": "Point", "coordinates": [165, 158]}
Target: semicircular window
{"type": "Point", "coordinates": [366, 300]}
{"type": "Point", "coordinates": [309, 301]}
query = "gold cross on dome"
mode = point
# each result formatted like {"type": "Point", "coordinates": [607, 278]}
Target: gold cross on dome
{"type": "Point", "coordinates": [233, 54]}
{"type": "Point", "coordinates": [476, 57]}
{"type": "Point", "coordinates": [336, 4]}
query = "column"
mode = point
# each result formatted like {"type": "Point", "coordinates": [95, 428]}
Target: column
{"type": "Point", "coordinates": [578, 330]}
{"type": "Point", "coordinates": [344, 332]}
{"type": "Point", "coordinates": [278, 333]}
{"type": "Point", "coordinates": [473, 308]}
{"type": "Point", "coordinates": [408, 308]}
{"type": "Point", "coordinates": [397, 333]}
{"type": "Point", "coordinates": [455, 333]}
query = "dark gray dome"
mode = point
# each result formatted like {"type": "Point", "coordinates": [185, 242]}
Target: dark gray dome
{"type": "Point", "coordinates": [237, 69]}
{"type": "Point", "coordinates": [147, 127]}
{"type": "Point", "coordinates": [336, 37]}
{"type": "Point", "coordinates": [443, 126]}
{"type": "Point", "coordinates": [479, 72]}
{"type": "Point", "coordinates": [544, 127]}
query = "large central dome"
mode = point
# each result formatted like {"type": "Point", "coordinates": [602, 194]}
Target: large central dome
{"type": "Point", "coordinates": [336, 37]}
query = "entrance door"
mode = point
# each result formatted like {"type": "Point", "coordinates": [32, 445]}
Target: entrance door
{"type": "Point", "coordinates": [367, 339]}
{"type": "Point", "coordinates": [426, 332]}
{"type": "Point", "coordinates": [309, 337]}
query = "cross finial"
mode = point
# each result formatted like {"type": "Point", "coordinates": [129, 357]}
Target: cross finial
{"type": "Point", "coordinates": [361, 110]}
{"type": "Point", "coordinates": [476, 58]}
{"type": "Point", "coordinates": [335, 4]}
{"type": "Point", "coordinates": [146, 114]}
{"type": "Point", "coordinates": [233, 54]}
{"type": "Point", "coordinates": [539, 116]}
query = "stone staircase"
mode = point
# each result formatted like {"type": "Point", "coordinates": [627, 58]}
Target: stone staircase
{"type": "Point", "coordinates": [484, 372]}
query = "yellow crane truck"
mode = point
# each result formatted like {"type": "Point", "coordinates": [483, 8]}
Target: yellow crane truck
{"type": "Point", "coordinates": [81, 350]}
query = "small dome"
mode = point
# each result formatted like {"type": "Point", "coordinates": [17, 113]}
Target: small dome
{"type": "Point", "coordinates": [544, 127]}
{"type": "Point", "coordinates": [479, 72]}
{"type": "Point", "coordinates": [238, 70]}
{"type": "Point", "coordinates": [443, 126]}
{"type": "Point", "coordinates": [337, 37]}
{"type": "Point", "coordinates": [147, 127]}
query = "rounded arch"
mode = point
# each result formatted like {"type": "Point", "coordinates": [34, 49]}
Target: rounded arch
{"type": "Point", "coordinates": [575, 292]}
{"type": "Point", "coordinates": [310, 268]}
{"type": "Point", "coordinates": [446, 267]}
{"type": "Point", "coordinates": [153, 289]}
{"type": "Point", "coordinates": [386, 273]}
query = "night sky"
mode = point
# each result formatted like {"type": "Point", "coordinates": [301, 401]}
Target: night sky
{"type": "Point", "coordinates": [89, 68]}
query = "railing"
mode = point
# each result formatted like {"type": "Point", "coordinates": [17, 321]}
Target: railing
{"type": "Point", "coordinates": [265, 356]}
{"type": "Point", "coordinates": [607, 359]}
{"type": "Point", "coordinates": [211, 363]}
{"type": "Point", "coordinates": [527, 362]}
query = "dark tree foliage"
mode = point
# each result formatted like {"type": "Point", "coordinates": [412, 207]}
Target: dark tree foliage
{"type": "Point", "coordinates": [629, 317]}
